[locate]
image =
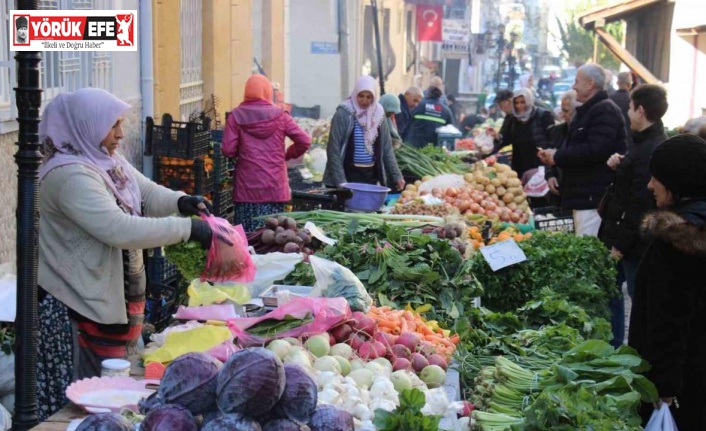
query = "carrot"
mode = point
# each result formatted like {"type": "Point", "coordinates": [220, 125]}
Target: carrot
{"type": "Point", "coordinates": [455, 338]}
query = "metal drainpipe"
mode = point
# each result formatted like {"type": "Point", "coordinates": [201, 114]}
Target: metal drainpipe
{"type": "Point", "coordinates": [147, 78]}
{"type": "Point", "coordinates": [376, 26]}
{"type": "Point", "coordinates": [343, 35]}
{"type": "Point", "coordinates": [28, 95]}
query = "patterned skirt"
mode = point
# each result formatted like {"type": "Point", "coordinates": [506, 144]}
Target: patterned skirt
{"type": "Point", "coordinates": [55, 357]}
{"type": "Point", "coordinates": [245, 214]}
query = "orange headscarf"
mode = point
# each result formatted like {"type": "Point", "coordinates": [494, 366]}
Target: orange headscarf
{"type": "Point", "coordinates": [258, 88]}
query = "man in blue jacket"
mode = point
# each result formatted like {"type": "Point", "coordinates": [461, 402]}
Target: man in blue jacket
{"type": "Point", "coordinates": [408, 101]}
{"type": "Point", "coordinates": [428, 116]}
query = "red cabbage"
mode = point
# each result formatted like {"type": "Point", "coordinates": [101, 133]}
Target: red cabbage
{"type": "Point", "coordinates": [330, 418]}
{"type": "Point", "coordinates": [232, 422]}
{"type": "Point", "coordinates": [105, 422]}
{"type": "Point", "coordinates": [299, 398]}
{"type": "Point", "coordinates": [251, 382]}
{"type": "Point", "coordinates": [190, 381]}
{"type": "Point", "coordinates": [285, 425]}
{"type": "Point", "coordinates": [170, 417]}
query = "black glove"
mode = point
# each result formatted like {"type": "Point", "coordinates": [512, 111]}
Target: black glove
{"type": "Point", "coordinates": [189, 205]}
{"type": "Point", "coordinates": [201, 232]}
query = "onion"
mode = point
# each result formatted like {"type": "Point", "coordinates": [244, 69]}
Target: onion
{"type": "Point", "coordinates": [451, 192]}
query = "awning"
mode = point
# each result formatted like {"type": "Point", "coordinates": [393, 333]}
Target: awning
{"type": "Point", "coordinates": [614, 12]}
{"type": "Point", "coordinates": [691, 31]}
{"type": "Point", "coordinates": [597, 18]}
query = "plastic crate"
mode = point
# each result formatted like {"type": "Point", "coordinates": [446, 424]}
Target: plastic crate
{"type": "Point", "coordinates": [554, 219]}
{"type": "Point", "coordinates": [184, 140]}
{"type": "Point", "coordinates": [159, 269]}
{"type": "Point", "coordinates": [188, 176]}
{"type": "Point", "coordinates": [217, 136]}
{"type": "Point", "coordinates": [223, 202]}
{"type": "Point", "coordinates": [161, 304]}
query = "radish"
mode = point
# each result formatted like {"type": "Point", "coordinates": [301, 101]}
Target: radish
{"type": "Point", "coordinates": [386, 339]}
{"type": "Point", "coordinates": [371, 350]}
{"type": "Point", "coordinates": [365, 324]}
{"type": "Point", "coordinates": [356, 341]}
{"type": "Point", "coordinates": [419, 362]}
{"type": "Point", "coordinates": [409, 340]}
{"type": "Point", "coordinates": [401, 364]}
{"type": "Point", "coordinates": [400, 351]}
{"type": "Point", "coordinates": [341, 332]}
{"type": "Point", "coordinates": [439, 360]}
{"type": "Point", "coordinates": [426, 349]}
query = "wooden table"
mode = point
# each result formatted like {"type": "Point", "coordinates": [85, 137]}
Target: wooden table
{"type": "Point", "coordinates": [60, 420]}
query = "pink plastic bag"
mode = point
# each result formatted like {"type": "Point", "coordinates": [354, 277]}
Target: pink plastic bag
{"type": "Point", "coordinates": [225, 262]}
{"type": "Point", "coordinates": [326, 313]}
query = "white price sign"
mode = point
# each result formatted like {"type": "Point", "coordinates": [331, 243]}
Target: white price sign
{"type": "Point", "coordinates": [503, 254]}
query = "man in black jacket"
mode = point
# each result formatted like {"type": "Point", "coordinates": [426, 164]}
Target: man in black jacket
{"type": "Point", "coordinates": [622, 96]}
{"type": "Point", "coordinates": [408, 101]}
{"type": "Point", "coordinates": [597, 132]}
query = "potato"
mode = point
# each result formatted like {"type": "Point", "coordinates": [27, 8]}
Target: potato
{"type": "Point", "coordinates": [519, 200]}
{"type": "Point", "coordinates": [478, 186]}
{"type": "Point", "coordinates": [469, 177]}
{"type": "Point", "coordinates": [496, 182]}
{"type": "Point", "coordinates": [490, 189]}
{"type": "Point", "coordinates": [417, 183]}
{"type": "Point", "coordinates": [500, 190]}
{"type": "Point", "coordinates": [426, 178]}
{"type": "Point", "coordinates": [499, 167]}
{"type": "Point", "coordinates": [515, 190]}
{"type": "Point", "coordinates": [411, 188]}
{"type": "Point", "coordinates": [484, 180]}
{"type": "Point", "coordinates": [512, 205]}
{"type": "Point", "coordinates": [508, 198]}
{"type": "Point", "coordinates": [503, 178]}
{"type": "Point", "coordinates": [512, 174]}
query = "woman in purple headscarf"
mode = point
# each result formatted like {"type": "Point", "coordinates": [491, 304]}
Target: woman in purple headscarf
{"type": "Point", "coordinates": [92, 231]}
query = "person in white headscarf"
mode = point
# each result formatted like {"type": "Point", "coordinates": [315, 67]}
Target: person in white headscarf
{"type": "Point", "coordinates": [92, 231]}
{"type": "Point", "coordinates": [359, 148]}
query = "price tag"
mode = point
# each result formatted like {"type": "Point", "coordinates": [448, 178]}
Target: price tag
{"type": "Point", "coordinates": [503, 254]}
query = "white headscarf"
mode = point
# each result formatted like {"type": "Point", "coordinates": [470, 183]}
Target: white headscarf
{"type": "Point", "coordinates": [369, 118]}
{"type": "Point", "coordinates": [529, 102]}
{"type": "Point", "coordinates": [72, 128]}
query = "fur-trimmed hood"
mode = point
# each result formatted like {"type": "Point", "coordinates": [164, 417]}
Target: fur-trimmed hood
{"type": "Point", "coordinates": [683, 228]}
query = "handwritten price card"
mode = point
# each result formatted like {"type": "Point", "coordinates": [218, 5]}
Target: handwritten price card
{"type": "Point", "coordinates": [503, 254]}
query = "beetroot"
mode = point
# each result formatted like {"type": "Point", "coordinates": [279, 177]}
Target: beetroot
{"type": "Point", "coordinates": [300, 394]}
{"type": "Point", "coordinates": [330, 418]}
{"type": "Point", "coordinates": [190, 381]}
{"type": "Point", "coordinates": [409, 340]}
{"type": "Point", "coordinates": [355, 341]}
{"type": "Point", "coordinates": [341, 333]}
{"type": "Point", "coordinates": [387, 340]}
{"type": "Point", "coordinates": [364, 324]}
{"type": "Point", "coordinates": [169, 417]}
{"type": "Point", "coordinates": [439, 360]}
{"type": "Point", "coordinates": [418, 362]}
{"type": "Point", "coordinates": [251, 382]}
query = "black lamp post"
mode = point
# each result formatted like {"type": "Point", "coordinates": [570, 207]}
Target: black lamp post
{"type": "Point", "coordinates": [28, 95]}
{"type": "Point", "coordinates": [501, 48]}
{"type": "Point", "coordinates": [378, 46]}
{"type": "Point", "coordinates": [511, 60]}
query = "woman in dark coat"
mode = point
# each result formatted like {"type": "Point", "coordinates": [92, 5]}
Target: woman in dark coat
{"type": "Point", "coordinates": [359, 148]}
{"type": "Point", "coordinates": [669, 313]}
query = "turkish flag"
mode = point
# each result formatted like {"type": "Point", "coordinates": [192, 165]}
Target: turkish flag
{"type": "Point", "coordinates": [429, 23]}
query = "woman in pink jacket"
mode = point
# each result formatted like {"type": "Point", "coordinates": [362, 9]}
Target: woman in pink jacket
{"type": "Point", "coordinates": [254, 136]}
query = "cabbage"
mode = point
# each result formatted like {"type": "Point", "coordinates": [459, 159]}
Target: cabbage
{"type": "Point", "coordinates": [190, 381]}
{"type": "Point", "coordinates": [170, 417]}
{"type": "Point", "coordinates": [251, 382]}
{"type": "Point", "coordinates": [148, 404]}
{"type": "Point", "coordinates": [299, 398]}
{"type": "Point", "coordinates": [232, 422]}
{"type": "Point", "coordinates": [285, 425]}
{"type": "Point", "coordinates": [330, 418]}
{"type": "Point", "coordinates": [105, 422]}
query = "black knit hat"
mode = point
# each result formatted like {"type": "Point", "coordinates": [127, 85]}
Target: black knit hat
{"type": "Point", "coordinates": [680, 164]}
{"type": "Point", "coordinates": [21, 22]}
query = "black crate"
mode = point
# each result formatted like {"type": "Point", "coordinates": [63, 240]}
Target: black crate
{"type": "Point", "coordinates": [188, 176]}
{"type": "Point", "coordinates": [161, 304]}
{"type": "Point", "coordinates": [317, 199]}
{"type": "Point", "coordinates": [554, 219]}
{"type": "Point", "coordinates": [159, 269]}
{"type": "Point", "coordinates": [184, 140]}
{"type": "Point", "coordinates": [223, 202]}
{"type": "Point", "coordinates": [217, 136]}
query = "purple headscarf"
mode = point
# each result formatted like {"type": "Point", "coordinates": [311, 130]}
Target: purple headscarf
{"type": "Point", "coordinates": [76, 123]}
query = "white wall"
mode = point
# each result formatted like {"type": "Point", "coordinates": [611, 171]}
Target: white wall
{"type": "Point", "coordinates": [686, 87]}
{"type": "Point", "coordinates": [314, 78]}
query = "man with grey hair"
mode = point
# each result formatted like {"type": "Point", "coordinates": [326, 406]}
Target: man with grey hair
{"type": "Point", "coordinates": [437, 82]}
{"type": "Point", "coordinates": [622, 96]}
{"type": "Point", "coordinates": [408, 101]}
{"type": "Point", "coordinates": [596, 132]}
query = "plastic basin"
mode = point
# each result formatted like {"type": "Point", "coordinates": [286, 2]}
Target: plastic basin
{"type": "Point", "coordinates": [366, 197]}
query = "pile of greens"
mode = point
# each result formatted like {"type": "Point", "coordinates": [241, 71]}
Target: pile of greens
{"type": "Point", "coordinates": [429, 161]}
{"type": "Point", "coordinates": [578, 267]}
{"type": "Point", "coordinates": [399, 267]}
{"type": "Point", "coordinates": [408, 416]}
{"type": "Point", "coordinates": [189, 258]}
